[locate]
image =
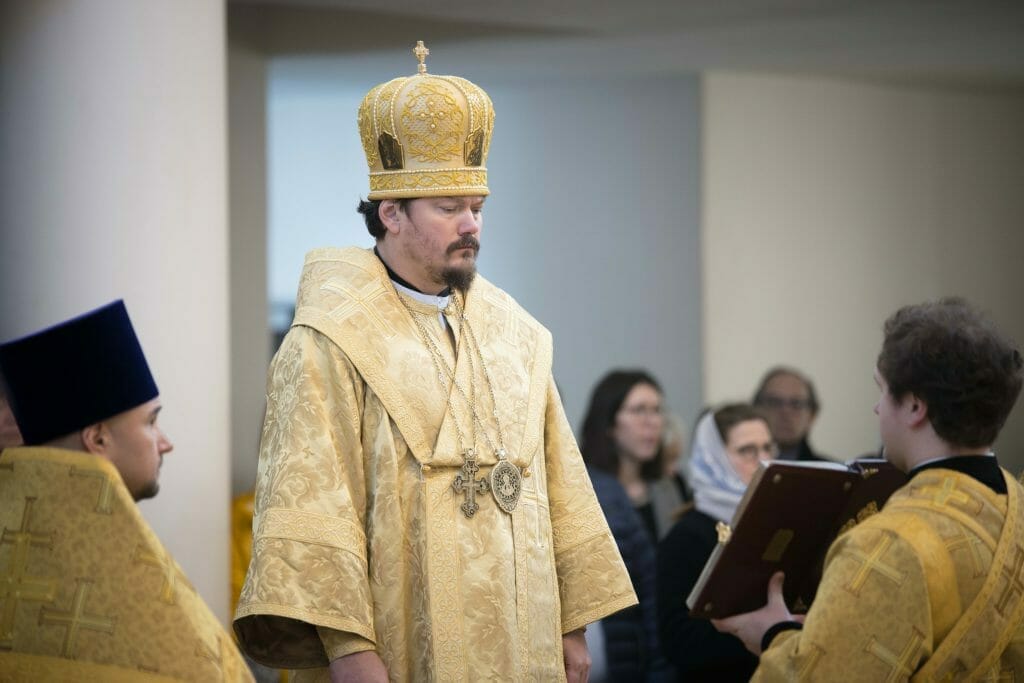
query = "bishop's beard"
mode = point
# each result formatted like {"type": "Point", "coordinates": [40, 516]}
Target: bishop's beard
{"type": "Point", "coordinates": [461, 277]}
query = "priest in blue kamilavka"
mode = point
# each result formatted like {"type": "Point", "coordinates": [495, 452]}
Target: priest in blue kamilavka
{"type": "Point", "coordinates": [87, 590]}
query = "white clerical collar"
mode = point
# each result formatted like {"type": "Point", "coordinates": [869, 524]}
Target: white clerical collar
{"type": "Point", "coordinates": [429, 299]}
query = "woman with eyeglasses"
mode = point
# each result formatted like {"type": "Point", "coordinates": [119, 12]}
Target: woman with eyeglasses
{"type": "Point", "coordinates": [623, 447]}
{"type": "Point", "coordinates": [624, 435]}
{"type": "Point", "coordinates": [729, 444]}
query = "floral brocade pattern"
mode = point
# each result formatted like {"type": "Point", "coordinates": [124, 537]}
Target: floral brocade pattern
{"type": "Point", "coordinates": [366, 440]}
{"type": "Point", "coordinates": [87, 591]}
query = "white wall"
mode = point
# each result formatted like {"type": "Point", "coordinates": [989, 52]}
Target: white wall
{"type": "Point", "coordinates": [592, 223]}
{"type": "Point", "coordinates": [112, 185]}
{"type": "Point", "coordinates": [827, 205]}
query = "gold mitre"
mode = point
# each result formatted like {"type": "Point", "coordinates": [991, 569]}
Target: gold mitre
{"type": "Point", "coordinates": [426, 135]}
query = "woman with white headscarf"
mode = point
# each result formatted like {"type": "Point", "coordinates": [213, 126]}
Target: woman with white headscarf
{"type": "Point", "coordinates": [729, 445]}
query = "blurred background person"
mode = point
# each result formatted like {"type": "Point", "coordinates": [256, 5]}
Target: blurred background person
{"type": "Point", "coordinates": [624, 435]}
{"type": "Point", "coordinates": [624, 645]}
{"type": "Point", "coordinates": [729, 445]}
{"type": "Point", "coordinates": [787, 398]}
{"type": "Point", "coordinates": [675, 459]}
{"type": "Point", "coordinates": [623, 445]}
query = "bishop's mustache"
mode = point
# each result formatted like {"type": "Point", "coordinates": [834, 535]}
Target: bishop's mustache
{"type": "Point", "coordinates": [466, 242]}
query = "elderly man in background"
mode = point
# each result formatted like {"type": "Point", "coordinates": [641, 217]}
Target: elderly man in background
{"type": "Point", "coordinates": [787, 398]}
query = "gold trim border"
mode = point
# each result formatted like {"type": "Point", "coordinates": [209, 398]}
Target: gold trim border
{"type": "Point", "coordinates": [428, 183]}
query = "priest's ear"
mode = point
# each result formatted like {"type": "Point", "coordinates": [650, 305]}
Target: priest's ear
{"type": "Point", "coordinates": [96, 438]}
{"type": "Point", "coordinates": [388, 213]}
{"type": "Point", "coordinates": [915, 410]}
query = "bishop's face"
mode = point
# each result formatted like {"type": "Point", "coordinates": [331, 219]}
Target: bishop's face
{"type": "Point", "coordinates": [438, 241]}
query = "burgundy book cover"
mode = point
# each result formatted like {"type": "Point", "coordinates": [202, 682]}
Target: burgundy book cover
{"type": "Point", "coordinates": [787, 519]}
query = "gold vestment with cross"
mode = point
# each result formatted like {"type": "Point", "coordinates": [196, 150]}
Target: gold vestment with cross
{"type": "Point", "coordinates": [929, 588]}
{"type": "Point", "coordinates": [87, 591]}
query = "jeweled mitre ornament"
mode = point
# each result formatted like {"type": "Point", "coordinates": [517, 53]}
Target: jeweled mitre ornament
{"type": "Point", "coordinates": [426, 135]}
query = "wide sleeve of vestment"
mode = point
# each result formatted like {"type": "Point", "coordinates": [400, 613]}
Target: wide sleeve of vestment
{"type": "Point", "coordinates": [309, 565]}
{"type": "Point", "coordinates": [871, 619]}
{"type": "Point", "coordinates": [592, 579]}
{"type": "Point", "coordinates": [696, 649]}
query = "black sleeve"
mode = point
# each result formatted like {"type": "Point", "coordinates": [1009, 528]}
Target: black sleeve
{"type": "Point", "coordinates": [697, 650]}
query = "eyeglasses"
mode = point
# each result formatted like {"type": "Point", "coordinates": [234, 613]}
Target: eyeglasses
{"type": "Point", "coordinates": [752, 450]}
{"type": "Point", "coordinates": [643, 410]}
{"type": "Point", "coordinates": [778, 403]}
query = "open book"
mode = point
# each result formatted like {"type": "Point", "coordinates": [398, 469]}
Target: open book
{"type": "Point", "coordinates": [786, 521]}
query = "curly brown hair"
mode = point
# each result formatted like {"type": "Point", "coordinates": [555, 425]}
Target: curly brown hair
{"type": "Point", "coordinates": [953, 358]}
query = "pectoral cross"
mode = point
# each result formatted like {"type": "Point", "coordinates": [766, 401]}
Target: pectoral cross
{"type": "Point", "coordinates": [466, 483]}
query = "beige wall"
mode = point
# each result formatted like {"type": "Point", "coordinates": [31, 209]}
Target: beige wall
{"type": "Point", "coordinates": [826, 205]}
{"type": "Point", "coordinates": [113, 185]}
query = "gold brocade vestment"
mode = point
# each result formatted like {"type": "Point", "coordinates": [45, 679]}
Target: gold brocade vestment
{"type": "Point", "coordinates": [357, 526]}
{"type": "Point", "coordinates": [929, 589]}
{"type": "Point", "coordinates": [87, 591]}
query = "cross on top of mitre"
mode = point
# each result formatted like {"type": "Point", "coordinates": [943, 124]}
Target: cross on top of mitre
{"type": "Point", "coordinates": [421, 53]}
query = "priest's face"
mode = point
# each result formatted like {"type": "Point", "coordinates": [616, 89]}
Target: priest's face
{"type": "Point", "coordinates": [438, 241]}
{"type": "Point", "coordinates": [137, 447]}
{"type": "Point", "coordinates": [747, 445]}
{"type": "Point", "coordinates": [888, 410]}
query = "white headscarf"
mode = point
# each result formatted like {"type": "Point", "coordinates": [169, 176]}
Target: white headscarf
{"type": "Point", "coordinates": [717, 488]}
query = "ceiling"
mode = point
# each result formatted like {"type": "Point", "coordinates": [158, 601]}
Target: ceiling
{"type": "Point", "coordinates": [959, 42]}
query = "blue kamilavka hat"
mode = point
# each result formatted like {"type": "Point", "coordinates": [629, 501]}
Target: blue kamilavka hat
{"type": "Point", "coordinates": [75, 374]}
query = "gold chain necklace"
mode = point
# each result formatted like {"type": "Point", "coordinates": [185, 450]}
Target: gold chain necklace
{"type": "Point", "coordinates": [506, 478]}
{"type": "Point", "coordinates": [465, 481]}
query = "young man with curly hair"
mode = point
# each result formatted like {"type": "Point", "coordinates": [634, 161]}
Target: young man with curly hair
{"type": "Point", "coordinates": [931, 587]}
